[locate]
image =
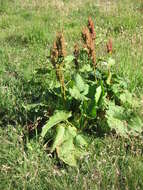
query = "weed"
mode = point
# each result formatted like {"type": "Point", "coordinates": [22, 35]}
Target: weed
{"type": "Point", "coordinates": [30, 92]}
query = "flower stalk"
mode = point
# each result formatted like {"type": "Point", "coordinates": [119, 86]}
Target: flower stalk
{"type": "Point", "coordinates": [57, 55]}
{"type": "Point", "coordinates": [88, 36]}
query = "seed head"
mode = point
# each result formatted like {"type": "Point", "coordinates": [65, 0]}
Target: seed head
{"type": "Point", "coordinates": [57, 52]}
{"type": "Point", "coordinates": [54, 54]}
{"type": "Point", "coordinates": [60, 42]}
{"type": "Point", "coordinates": [88, 40]}
{"type": "Point", "coordinates": [91, 28]}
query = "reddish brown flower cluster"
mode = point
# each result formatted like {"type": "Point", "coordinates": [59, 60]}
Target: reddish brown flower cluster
{"type": "Point", "coordinates": [58, 50]}
{"type": "Point", "coordinates": [57, 54]}
{"type": "Point", "coordinates": [88, 36]}
{"type": "Point", "coordinates": [91, 28]}
{"type": "Point", "coordinates": [54, 54]}
{"type": "Point", "coordinates": [60, 42]}
{"type": "Point", "coordinates": [109, 46]}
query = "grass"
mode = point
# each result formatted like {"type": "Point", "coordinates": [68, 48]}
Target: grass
{"type": "Point", "coordinates": [27, 29]}
{"type": "Point", "coordinates": [112, 163]}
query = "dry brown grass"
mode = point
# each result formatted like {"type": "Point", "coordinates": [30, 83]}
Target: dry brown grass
{"type": "Point", "coordinates": [65, 8]}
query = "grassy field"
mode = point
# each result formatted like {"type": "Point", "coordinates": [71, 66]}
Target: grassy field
{"type": "Point", "coordinates": [27, 30]}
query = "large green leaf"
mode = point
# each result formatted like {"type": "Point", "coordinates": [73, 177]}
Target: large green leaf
{"type": "Point", "coordinates": [122, 122]}
{"type": "Point", "coordinates": [74, 92]}
{"type": "Point", "coordinates": [35, 106]}
{"type": "Point", "coordinates": [59, 136]}
{"type": "Point", "coordinates": [66, 152]}
{"type": "Point", "coordinates": [89, 107]}
{"type": "Point", "coordinates": [98, 94]}
{"type": "Point", "coordinates": [69, 145]}
{"type": "Point", "coordinates": [92, 109]}
{"type": "Point", "coordinates": [79, 89]}
{"type": "Point", "coordinates": [80, 141]}
{"type": "Point", "coordinates": [108, 81]}
{"type": "Point", "coordinates": [82, 86]}
{"type": "Point", "coordinates": [58, 117]}
{"type": "Point", "coordinates": [115, 119]}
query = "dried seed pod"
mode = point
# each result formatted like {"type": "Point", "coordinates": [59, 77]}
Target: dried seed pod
{"type": "Point", "coordinates": [54, 54]}
{"type": "Point", "coordinates": [109, 46]}
{"type": "Point", "coordinates": [60, 42]}
{"type": "Point", "coordinates": [57, 52]}
{"type": "Point", "coordinates": [89, 44]}
{"type": "Point", "coordinates": [91, 28]}
{"type": "Point", "coordinates": [86, 39]}
{"type": "Point", "coordinates": [92, 39]}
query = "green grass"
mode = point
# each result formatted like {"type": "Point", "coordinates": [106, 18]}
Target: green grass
{"type": "Point", "coordinates": [27, 30]}
{"type": "Point", "coordinates": [112, 163]}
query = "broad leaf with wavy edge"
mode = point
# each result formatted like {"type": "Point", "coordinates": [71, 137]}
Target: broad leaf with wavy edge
{"type": "Point", "coordinates": [58, 117]}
